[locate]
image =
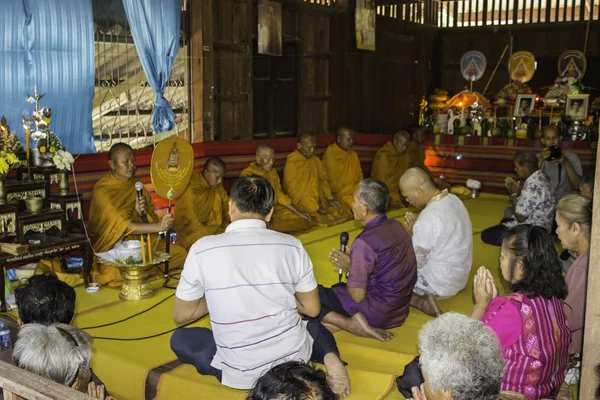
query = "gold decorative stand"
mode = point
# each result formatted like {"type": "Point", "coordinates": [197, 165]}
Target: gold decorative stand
{"type": "Point", "coordinates": [137, 285]}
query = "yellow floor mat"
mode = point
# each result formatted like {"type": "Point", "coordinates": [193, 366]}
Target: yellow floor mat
{"type": "Point", "coordinates": [145, 369]}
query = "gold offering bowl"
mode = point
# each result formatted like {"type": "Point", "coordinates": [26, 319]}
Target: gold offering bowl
{"type": "Point", "coordinates": [136, 285]}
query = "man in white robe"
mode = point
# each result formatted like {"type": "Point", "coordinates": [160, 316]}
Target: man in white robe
{"type": "Point", "coordinates": [442, 238]}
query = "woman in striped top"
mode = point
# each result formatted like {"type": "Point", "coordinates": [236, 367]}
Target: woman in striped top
{"type": "Point", "coordinates": [530, 323]}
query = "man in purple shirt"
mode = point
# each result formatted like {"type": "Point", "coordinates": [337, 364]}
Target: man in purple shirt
{"type": "Point", "coordinates": [383, 271]}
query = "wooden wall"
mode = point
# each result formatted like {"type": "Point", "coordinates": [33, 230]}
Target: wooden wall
{"type": "Point", "coordinates": [379, 92]}
{"type": "Point", "coordinates": [336, 84]}
{"type": "Point", "coordinates": [546, 41]}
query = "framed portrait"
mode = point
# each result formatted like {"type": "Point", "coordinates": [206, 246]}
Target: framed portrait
{"type": "Point", "coordinates": [365, 17]}
{"type": "Point", "coordinates": [577, 106]}
{"type": "Point", "coordinates": [269, 28]}
{"type": "Point", "coordinates": [524, 105]}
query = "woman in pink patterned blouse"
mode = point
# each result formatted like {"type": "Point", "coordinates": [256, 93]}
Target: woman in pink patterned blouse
{"type": "Point", "coordinates": [530, 323]}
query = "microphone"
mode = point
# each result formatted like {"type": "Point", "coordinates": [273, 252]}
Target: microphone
{"type": "Point", "coordinates": [344, 238]}
{"type": "Point", "coordinates": [139, 187]}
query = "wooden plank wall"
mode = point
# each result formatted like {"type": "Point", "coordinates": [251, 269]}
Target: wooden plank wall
{"type": "Point", "coordinates": [545, 41]}
{"type": "Point", "coordinates": [372, 92]}
{"type": "Point", "coordinates": [379, 92]}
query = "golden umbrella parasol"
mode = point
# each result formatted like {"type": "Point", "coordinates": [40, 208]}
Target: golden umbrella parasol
{"type": "Point", "coordinates": [467, 98]}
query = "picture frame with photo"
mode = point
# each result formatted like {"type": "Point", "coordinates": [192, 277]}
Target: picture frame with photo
{"type": "Point", "coordinates": [577, 106]}
{"type": "Point", "coordinates": [524, 105]}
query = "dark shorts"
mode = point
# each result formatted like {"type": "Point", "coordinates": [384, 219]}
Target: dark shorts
{"type": "Point", "coordinates": [330, 302]}
{"type": "Point", "coordinates": [196, 346]}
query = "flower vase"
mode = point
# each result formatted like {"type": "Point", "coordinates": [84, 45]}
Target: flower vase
{"type": "Point", "coordinates": [39, 159]}
{"type": "Point", "coordinates": [3, 193]}
{"type": "Point", "coordinates": [63, 183]}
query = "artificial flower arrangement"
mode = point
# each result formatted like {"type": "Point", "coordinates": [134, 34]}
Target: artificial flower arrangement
{"type": "Point", "coordinates": [9, 148]}
{"type": "Point", "coordinates": [47, 142]}
{"type": "Point", "coordinates": [63, 160]}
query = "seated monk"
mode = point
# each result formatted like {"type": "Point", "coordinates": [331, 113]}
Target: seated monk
{"type": "Point", "coordinates": [115, 210]}
{"type": "Point", "coordinates": [383, 271]}
{"type": "Point", "coordinates": [416, 154]}
{"type": "Point", "coordinates": [305, 181]}
{"type": "Point", "coordinates": [343, 167]}
{"type": "Point", "coordinates": [442, 238]}
{"type": "Point", "coordinates": [203, 209]}
{"type": "Point", "coordinates": [390, 162]}
{"type": "Point", "coordinates": [285, 217]}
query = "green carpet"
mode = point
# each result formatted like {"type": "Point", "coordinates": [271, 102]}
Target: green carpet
{"type": "Point", "coordinates": [145, 369]}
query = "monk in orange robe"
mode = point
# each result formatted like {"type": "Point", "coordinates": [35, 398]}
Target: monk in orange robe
{"type": "Point", "coordinates": [343, 168]}
{"type": "Point", "coordinates": [416, 153]}
{"type": "Point", "coordinates": [391, 161]}
{"type": "Point", "coordinates": [116, 209]}
{"type": "Point", "coordinates": [203, 209]}
{"type": "Point", "coordinates": [305, 182]}
{"type": "Point", "coordinates": [285, 217]}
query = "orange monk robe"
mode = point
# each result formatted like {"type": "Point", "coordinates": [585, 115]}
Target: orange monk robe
{"type": "Point", "coordinates": [305, 182]}
{"type": "Point", "coordinates": [416, 154]}
{"type": "Point", "coordinates": [201, 211]}
{"type": "Point", "coordinates": [344, 173]}
{"type": "Point", "coordinates": [388, 167]}
{"type": "Point", "coordinates": [284, 219]}
{"type": "Point", "coordinates": [112, 209]}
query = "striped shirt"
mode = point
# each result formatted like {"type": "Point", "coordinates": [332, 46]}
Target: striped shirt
{"type": "Point", "coordinates": [249, 275]}
{"type": "Point", "coordinates": [534, 336]}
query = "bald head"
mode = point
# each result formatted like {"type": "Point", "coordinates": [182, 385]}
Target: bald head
{"type": "Point", "coordinates": [264, 147]}
{"type": "Point", "coordinates": [345, 138]}
{"type": "Point", "coordinates": [121, 160]}
{"type": "Point", "coordinates": [307, 144]}
{"type": "Point", "coordinates": [118, 147]}
{"type": "Point", "coordinates": [214, 171]}
{"type": "Point", "coordinates": [400, 141]}
{"type": "Point", "coordinates": [265, 157]}
{"type": "Point", "coordinates": [417, 187]}
{"type": "Point", "coordinates": [416, 177]}
{"type": "Point", "coordinates": [216, 162]}
{"type": "Point", "coordinates": [306, 136]}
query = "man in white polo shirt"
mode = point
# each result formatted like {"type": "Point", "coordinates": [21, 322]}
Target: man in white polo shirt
{"type": "Point", "coordinates": [253, 282]}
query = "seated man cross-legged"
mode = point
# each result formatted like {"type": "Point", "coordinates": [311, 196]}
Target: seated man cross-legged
{"type": "Point", "coordinates": [382, 267]}
{"type": "Point", "coordinates": [202, 208]}
{"type": "Point", "coordinates": [115, 209]}
{"type": "Point", "coordinates": [532, 203]}
{"type": "Point", "coordinates": [305, 181]}
{"type": "Point", "coordinates": [285, 217]}
{"type": "Point", "coordinates": [253, 281]}
{"type": "Point", "coordinates": [442, 238]}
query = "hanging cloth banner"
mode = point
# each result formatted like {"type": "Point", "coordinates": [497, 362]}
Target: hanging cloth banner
{"type": "Point", "coordinates": [155, 26]}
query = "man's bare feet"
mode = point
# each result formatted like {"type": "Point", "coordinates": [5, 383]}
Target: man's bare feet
{"type": "Point", "coordinates": [337, 374]}
{"type": "Point", "coordinates": [360, 327]}
{"type": "Point", "coordinates": [426, 304]}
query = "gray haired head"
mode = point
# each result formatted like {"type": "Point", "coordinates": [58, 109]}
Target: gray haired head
{"type": "Point", "coordinates": [59, 352]}
{"type": "Point", "coordinates": [375, 195]}
{"type": "Point", "coordinates": [461, 355]}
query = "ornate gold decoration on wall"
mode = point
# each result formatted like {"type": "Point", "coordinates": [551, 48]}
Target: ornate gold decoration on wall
{"type": "Point", "coordinates": [42, 227]}
{"type": "Point", "coordinates": [54, 178]}
{"type": "Point", "coordinates": [7, 223]}
{"type": "Point", "coordinates": [27, 195]}
{"type": "Point", "coordinates": [70, 207]}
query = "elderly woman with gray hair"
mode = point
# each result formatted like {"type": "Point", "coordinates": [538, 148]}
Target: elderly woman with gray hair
{"type": "Point", "coordinates": [382, 271]}
{"type": "Point", "coordinates": [59, 352]}
{"type": "Point", "coordinates": [460, 359]}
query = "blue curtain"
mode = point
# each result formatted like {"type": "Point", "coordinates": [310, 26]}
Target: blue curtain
{"type": "Point", "coordinates": [50, 44]}
{"type": "Point", "coordinates": [155, 26]}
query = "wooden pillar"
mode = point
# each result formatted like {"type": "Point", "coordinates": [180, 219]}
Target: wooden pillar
{"type": "Point", "coordinates": [343, 60]}
{"type": "Point", "coordinates": [591, 338]}
{"type": "Point", "coordinates": [201, 69]}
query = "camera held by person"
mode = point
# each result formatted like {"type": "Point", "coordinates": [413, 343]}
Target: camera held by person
{"type": "Point", "coordinates": [555, 153]}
